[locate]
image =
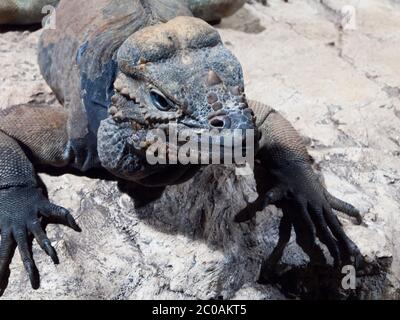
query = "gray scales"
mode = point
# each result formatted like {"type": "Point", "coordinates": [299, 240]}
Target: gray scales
{"type": "Point", "coordinates": [140, 65]}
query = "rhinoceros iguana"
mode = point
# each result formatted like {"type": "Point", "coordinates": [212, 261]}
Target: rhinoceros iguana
{"type": "Point", "coordinates": [120, 69]}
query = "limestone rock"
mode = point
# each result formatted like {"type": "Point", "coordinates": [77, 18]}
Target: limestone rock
{"type": "Point", "coordinates": [339, 88]}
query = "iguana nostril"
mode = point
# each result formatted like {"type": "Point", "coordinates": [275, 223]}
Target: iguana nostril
{"type": "Point", "coordinates": [220, 122]}
{"type": "Point", "coordinates": [217, 123]}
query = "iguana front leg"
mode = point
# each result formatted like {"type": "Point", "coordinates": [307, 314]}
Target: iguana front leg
{"type": "Point", "coordinates": [285, 177]}
{"type": "Point", "coordinates": [24, 209]}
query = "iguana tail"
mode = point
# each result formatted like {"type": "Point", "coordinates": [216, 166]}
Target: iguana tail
{"type": "Point", "coordinates": [23, 11]}
{"type": "Point", "coordinates": [213, 10]}
{"type": "Point", "coordinates": [30, 11]}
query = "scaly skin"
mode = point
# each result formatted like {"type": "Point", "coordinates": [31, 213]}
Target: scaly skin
{"type": "Point", "coordinates": [137, 66]}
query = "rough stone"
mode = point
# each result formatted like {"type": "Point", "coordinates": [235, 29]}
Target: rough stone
{"type": "Point", "coordinates": [339, 88]}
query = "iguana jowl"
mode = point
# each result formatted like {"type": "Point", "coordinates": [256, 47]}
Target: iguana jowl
{"type": "Point", "coordinates": [121, 68]}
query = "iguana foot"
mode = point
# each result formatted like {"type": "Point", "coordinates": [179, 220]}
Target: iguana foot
{"type": "Point", "coordinates": [23, 212]}
{"type": "Point", "coordinates": [308, 208]}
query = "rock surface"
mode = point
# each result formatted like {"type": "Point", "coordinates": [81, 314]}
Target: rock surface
{"type": "Point", "coordinates": [340, 88]}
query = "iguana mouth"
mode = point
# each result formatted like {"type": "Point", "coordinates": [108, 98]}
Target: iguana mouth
{"type": "Point", "coordinates": [122, 105]}
{"type": "Point", "coordinates": [127, 107]}
{"type": "Point", "coordinates": [137, 123]}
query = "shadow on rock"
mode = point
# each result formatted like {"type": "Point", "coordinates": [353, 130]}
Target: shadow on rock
{"type": "Point", "coordinates": [203, 210]}
{"type": "Point", "coordinates": [312, 282]}
{"type": "Point", "coordinates": [29, 28]}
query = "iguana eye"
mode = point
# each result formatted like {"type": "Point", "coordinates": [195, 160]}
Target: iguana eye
{"type": "Point", "coordinates": [160, 101]}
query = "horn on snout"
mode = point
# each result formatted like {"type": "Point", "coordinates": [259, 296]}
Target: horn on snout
{"type": "Point", "coordinates": [213, 79]}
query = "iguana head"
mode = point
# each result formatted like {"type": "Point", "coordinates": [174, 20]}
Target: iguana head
{"type": "Point", "coordinates": [179, 74]}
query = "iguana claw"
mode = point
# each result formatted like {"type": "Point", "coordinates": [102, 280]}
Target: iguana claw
{"type": "Point", "coordinates": [308, 208]}
{"type": "Point", "coordinates": [23, 213]}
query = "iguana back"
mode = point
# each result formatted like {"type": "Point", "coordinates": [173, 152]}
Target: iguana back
{"type": "Point", "coordinates": [77, 58]}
